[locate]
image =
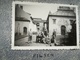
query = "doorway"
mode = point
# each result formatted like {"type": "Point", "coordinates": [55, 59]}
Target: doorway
{"type": "Point", "coordinates": [63, 30]}
{"type": "Point", "coordinates": [25, 30]}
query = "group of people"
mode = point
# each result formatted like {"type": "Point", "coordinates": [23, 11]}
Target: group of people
{"type": "Point", "coordinates": [43, 36]}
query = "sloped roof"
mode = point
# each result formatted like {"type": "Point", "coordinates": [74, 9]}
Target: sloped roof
{"type": "Point", "coordinates": [38, 20]}
{"type": "Point", "coordinates": [21, 19]}
{"type": "Point", "coordinates": [64, 12]}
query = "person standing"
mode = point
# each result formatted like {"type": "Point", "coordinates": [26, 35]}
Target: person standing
{"type": "Point", "coordinates": [30, 35]}
{"type": "Point", "coordinates": [53, 39]}
{"type": "Point", "coordinates": [45, 36]}
{"type": "Point", "coordinates": [38, 37]}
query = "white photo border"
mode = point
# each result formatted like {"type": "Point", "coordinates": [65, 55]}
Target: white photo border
{"type": "Point", "coordinates": [13, 47]}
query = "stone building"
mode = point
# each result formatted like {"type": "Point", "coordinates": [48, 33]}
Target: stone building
{"type": "Point", "coordinates": [61, 20]}
{"type": "Point", "coordinates": [41, 24]}
{"type": "Point", "coordinates": [23, 21]}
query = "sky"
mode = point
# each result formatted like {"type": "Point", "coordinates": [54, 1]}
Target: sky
{"type": "Point", "coordinates": [40, 11]}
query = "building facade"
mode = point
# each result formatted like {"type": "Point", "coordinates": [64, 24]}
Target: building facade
{"type": "Point", "coordinates": [23, 20]}
{"type": "Point", "coordinates": [39, 23]}
{"type": "Point", "coordinates": [61, 20]}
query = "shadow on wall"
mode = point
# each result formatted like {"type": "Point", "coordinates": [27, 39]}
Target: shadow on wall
{"type": "Point", "coordinates": [72, 35]}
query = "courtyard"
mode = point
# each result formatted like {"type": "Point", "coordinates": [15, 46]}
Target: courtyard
{"type": "Point", "coordinates": [53, 28]}
{"type": "Point", "coordinates": [60, 41]}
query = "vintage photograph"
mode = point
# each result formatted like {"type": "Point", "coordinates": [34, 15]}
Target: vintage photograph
{"type": "Point", "coordinates": [44, 26]}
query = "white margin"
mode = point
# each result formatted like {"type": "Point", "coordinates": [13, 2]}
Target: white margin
{"type": "Point", "coordinates": [40, 47]}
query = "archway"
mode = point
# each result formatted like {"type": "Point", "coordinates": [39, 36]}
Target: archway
{"type": "Point", "coordinates": [63, 30]}
{"type": "Point", "coordinates": [25, 30]}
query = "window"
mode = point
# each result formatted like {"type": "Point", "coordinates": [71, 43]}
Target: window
{"type": "Point", "coordinates": [54, 21]}
{"type": "Point", "coordinates": [21, 7]}
{"type": "Point", "coordinates": [71, 21]}
{"type": "Point", "coordinates": [37, 24]}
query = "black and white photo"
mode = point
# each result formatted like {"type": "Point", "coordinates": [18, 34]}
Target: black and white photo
{"type": "Point", "coordinates": [44, 26]}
